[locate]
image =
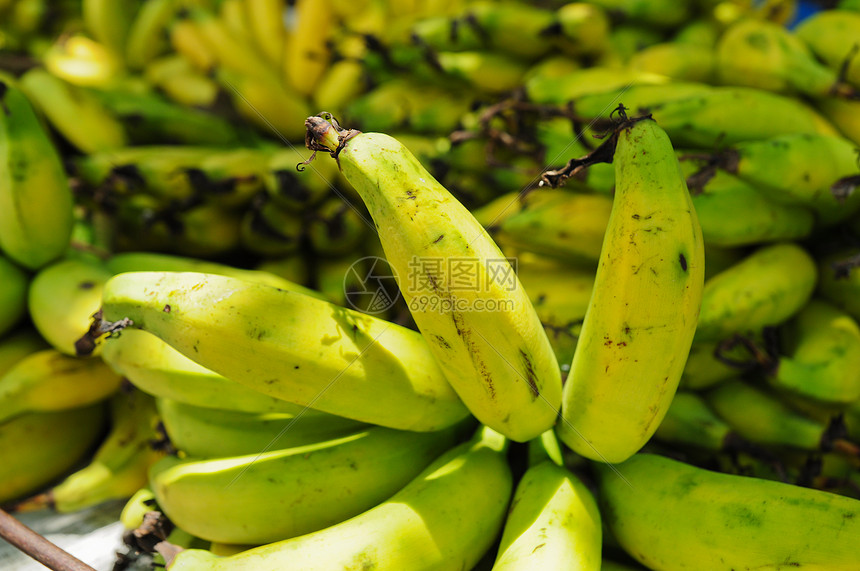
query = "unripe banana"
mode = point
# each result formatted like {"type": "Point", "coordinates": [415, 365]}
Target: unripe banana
{"type": "Point", "coordinates": [35, 200]}
{"type": "Point", "coordinates": [206, 432]}
{"type": "Point", "coordinates": [646, 299]}
{"type": "Point", "coordinates": [48, 381]}
{"type": "Point", "coordinates": [147, 34]}
{"type": "Point", "coordinates": [109, 21]}
{"type": "Point", "coordinates": [586, 29]}
{"type": "Point", "coordinates": [13, 294]}
{"type": "Point", "coordinates": [479, 326]}
{"type": "Point", "coordinates": [290, 345]}
{"type": "Point", "coordinates": [336, 228]}
{"type": "Point", "coordinates": [844, 114]}
{"type": "Point", "coordinates": [18, 344]}
{"type": "Point", "coordinates": [141, 502]}
{"type": "Point", "coordinates": [485, 71]}
{"type": "Point", "coordinates": [313, 486]}
{"type": "Point", "coordinates": [766, 288]}
{"type": "Point", "coordinates": [831, 35]}
{"type": "Point", "coordinates": [180, 81]}
{"type": "Point", "coordinates": [839, 280]}
{"type": "Point", "coordinates": [415, 529]}
{"type": "Point", "coordinates": [548, 88]}
{"type": "Point", "coordinates": [553, 523]}
{"type": "Point", "coordinates": [690, 422]}
{"type": "Point", "coordinates": [730, 522]}
{"type": "Point", "coordinates": [659, 14]}
{"type": "Point", "coordinates": [683, 62]}
{"type": "Point", "coordinates": [286, 185]}
{"type": "Point", "coordinates": [270, 230]}
{"type": "Point", "coordinates": [704, 369]}
{"type": "Point", "coordinates": [497, 22]}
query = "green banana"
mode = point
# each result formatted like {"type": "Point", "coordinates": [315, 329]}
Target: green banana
{"type": "Point", "coordinates": [270, 230]}
{"type": "Point", "coordinates": [140, 502]}
{"type": "Point", "coordinates": [63, 297]}
{"type": "Point", "coordinates": [414, 529]}
{"type": "Point", "coordinates": [553, 523]}
{"type": "Point", "coordinates": [18, 344]}
{"type": "Point", "coordinates": [336, 228]}
{"type": "Point", "coordinates": [307, 482]}
{"type": "Point", "coordinates": [332, 369]}
{"type": "Point", "coordinates": [586, 29]}
{"type": "Point", "coordinates": [495, 23]}
{"type": "Point", "coordinates": [730, 522]}
{"type": "Point", "coordinates": [181, 82]}
{"type": "Point", "coordinates": [690, 422]}
{"type": "Point", "coordinates": [485, 71]}
{"type": "Point", "coordinates": [147, 33]}
{"type": "Point", "coordinates": [646, 298]}
{"type": "Point", "coordinates": [766, 288]}
{"type": "Point", "coordinates": [831, 35]}
{"type": "Point", "coordinates": [120, 464]}
{"type": "Point", "coordinates": [292, 190]}
{"type": "Point", "coordinates": [206, 432]}
{"type": "Point", "coordinates": [681, 62]}
{"type": "Point", "coordinates": [109, 21]}
{"type": "Point", "coordinates": [844, 114]}
{"type": "Point", "coordinates": [35, 199]}
{"type": "Point", "coordinates": [54, 443]}
{"type": "Point", "coordinates": [495, 355]}
{"type": "Point", "coordinates": [48, 380]}
{"type": "Point", "coordinates": [13, 295]}
{"type": "Point", "coordinates": [625, 39]}
{"type": "Point", "coordinates": [656, 14]}
{"type": "Point", "coordinates": [704, 369]}
{"type": "Point", "coordinates": [547, 88]}
{"type": "Point", "coordinates": [839, 279]}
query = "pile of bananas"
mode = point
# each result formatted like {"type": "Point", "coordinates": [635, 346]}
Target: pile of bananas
{"type": "Point", "coordinates": [575, 287]}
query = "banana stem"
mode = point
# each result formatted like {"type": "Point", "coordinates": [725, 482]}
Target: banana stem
{"type": "Point", "coordinates": [37, 547]}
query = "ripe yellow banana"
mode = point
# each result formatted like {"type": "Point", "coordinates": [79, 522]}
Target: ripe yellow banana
{"type": "Point", "coordinates": [645, 302]}
{"type": "Point", "coordinates": [48, 380]}
{"type": "Point", "coordinates": [421, 527]}
{"type": "Point", "coordinates": [35, 200]}
{"type": "Point", "coordinates": [724, 521]}
{"type": "Point", "coordinates": [766, 288]}
{"type": "Point", "coordinates": [13, 295]}
{"type": "Point", "coordinates": [553, 523]}
{"type": "Point", "coordinates": [292, 346]}
{"type": "Point", "coordinates": [479, 325]}
{"type": "Point", "coordinates": [206, 432]}
{"type": "Point", "coordinates": [313, 486]}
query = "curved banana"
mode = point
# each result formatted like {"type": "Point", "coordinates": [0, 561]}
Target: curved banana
{"type": "Point", "coordinates": [265, 21]}
{"type": "Point", "coordinates": [690, 422]}
{"type": "Point", "coordinates": [414, 529]}
{"type": "Point", "coordinates": [18, 344]}
{"type": "Point", "coordinates": [48, 380]}
{"type": "Point", "coordinates": [495, 23]}
{"type": "Point", "coordinates": [732, 522]}
{"type": "Point", "coordinates": [292, 346]}
{"type": "Point", "coordinates": [766, 288]}
{"type": "Point", "coordinates": [831, 35]}
{"type": "Point", "coordinates": [35, 199]}
{"type": "Point", "coordinates": [206, 432]}
{"type": "Point", "coordinates": [479, 326]}
{"type": "Point", "coordinates": [140, 502]}
{"type": "Point", "coordinates": [109, 21]}
{"type": "Point", "coordinates": [680, 61]}
{"type": "Point", "coordinates": [13, 295]}
{"type": "Point", "coordinates": [646, 299]}
{"type": "Point", "coordinates": [305, 54]}
{"type": "Point", "coordinates": [55, 443]}
{"type": "Point", "coordinates": [313, 486]}
{"type": "Point", "coordinates": [484, 71]}
{"type": "Point", "coordinates": [63, 298]}
{"type": "Point", "coordinates": [704, 369]}
{"type": "Point", "coordinates": [844, 114]}
{"type": "Point", "coordinates": [656, 14]}
{"type": "Point", "coordinates": [839, 279]}
{"type": "Point", "coordinates": [553, 523]}
{"type": "Point", "coordinates": [147, 33]}
{"type": "Point", "coordinates": [547, 88]}
{"type": "Point", "coordinates": [586, 29]}
{"type": "Point", "coordinates": [181, 81]}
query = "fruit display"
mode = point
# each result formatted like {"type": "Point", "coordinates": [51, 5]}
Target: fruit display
{"type": "Point", "coordinates": [453, 284]}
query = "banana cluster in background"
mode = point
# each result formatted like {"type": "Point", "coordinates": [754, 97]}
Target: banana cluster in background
{"type": "Point", "coordinates": [674, 385]}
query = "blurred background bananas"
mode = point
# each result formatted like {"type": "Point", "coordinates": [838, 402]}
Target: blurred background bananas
{"type": "Point", "coordinates": [200, 318]}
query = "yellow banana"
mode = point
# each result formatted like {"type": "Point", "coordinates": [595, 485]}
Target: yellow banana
{"type": "Point", "coordinates": [35, 199]}
{"type": "Point", "coordinates": [13, 295]}
{"type": "Point", "coordinates": [839, 279]}
{"type": "Point", "coordinates": [680, 61]}
{"type": "Point", "coordinates": [832, 35]}
{"type": "Point", "coordinates": [476, 318]}
{"type": "Point", "coordinates": [553, 523]}
{"type": "Point", "coordinates": [766, 288]}
{"type": "Point", "coordinates": [109, 21]}
{"type": "Point", "coordinates": [187, 40]}
{"type": "Point", "coordinates": [308, 481]}
{"type": "Point", "coordinates": [147, 34]}
{"type": "Point", "coordinates": [38, 448]}
{"type": "Point", "coordinates": [344, 81]}
{"type": "Point", "coordinates": [48, 381]}
{"type": "Point", "coordinates": [140, 502]}
{"type": "Point", "coordinates": [414, 529]}
{"type": "Point", "coordinates": [234, 17]}
{"type": "Point", "coordinates": [82, 61]}
{"type": "Point", "coordinates": [342, 368]}
{"type": "Point", "coordinates": [728, 521]}
{"type": "Point", "coordinates": [306, 54]}
{"type": "Point", "coordinates": [645, 302]}
{"type": "Point", "coordinates": [206, 432]}
{"type": "Point", "coordinates": [265, 19]}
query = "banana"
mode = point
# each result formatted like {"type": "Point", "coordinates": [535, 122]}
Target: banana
{"type": "Point", "coordinates": [766, 288]}
{"type": "Point", "coordinates": [831, 35]}
{"type": "Point", "coordinates": [764, 55]}
{"type": "Point", "coordinates": [80, 60]}
{"type": "Point", "coordinates": [823, 357]}
{"type": "Point", "coordinates": [844, 114]}
{"type": "Point", "coordinates": [187, 40]}
{"type": "Point", "coordinates": [156, 368]}
{"type": "Point", "coordinates": [147, 33]}
{"type": "Point", "coordinates": [336, 228]}
{"type": "Point", "coordinates": [690, 422]}
{"type": "Point", "coordinates": [701, 32]}
{"type": "Point", "coordinates": [270, 230]}
{"type": "Point", "coordinates": [48, 380]}
{"type": "Point", "coordinates": [35, 200]}
{"type": "Point", "coordinates": [140, 502]}
{"type": "Point", "coordinates": [296, 269]}
{"type": "Point", "coordinates": [732, 522]}
{"type": "Point", "coordinates": [63, 297]}
{"type": "Point", "coordinates": [265, 21]}
{"type": "Point", "coordinates": [839, 280]}
{"type": "Point", "coordinates": [181, 82]}
{"type": "Point", "coordinates": [586, 29]}
{"type": "Point", "coordinates": [680, 61]}
{"type": "Point", "coordinates": [660, 14]}
{"type": "Point", "coordinates": [316, 485]}
{"type": "Point", "coordinates": [109, 21]}
{"type": "Point", "coordinates": [305, 53]}
{"type": "Point", "coordinates": [414, 529]}
{"type": "Point", "coordinates": [206, 432]}
{"type": "Point", "coordinates": [17, 344]}
{"type": "Point", "coordinates": [332, 369]}
{"type": "Point", "coordinates": [636, 312]}
{"type": "Point", "coordinates": [485, 71]}
{"type": "Point", "coordinates": [344, 81]}
{"type": "Point", "coordinates": [447, 33]}
{"type": "Point", "coordinates": [120, 464]}
{"type": "Point", "coordinates": [54, 443]}
{"type": "Point", "coordinates": [802, 169]}
{"type": "Point", "coordinates": [553, 523]}
{"type": "Point", "coordinates": [13, 295]}
{"type": "Point", "coordinates": [595, 80]}
{"type": "Point", "coordinates": [625, 39]}
{"type": "Point", "coordinates": [704, 369]}
{"type": "Point", "coordinates": [496, 23]}
{"type": "Point", "coordinates": [291, 190]}
{"type": "Point", "coordinates": [476, 318]}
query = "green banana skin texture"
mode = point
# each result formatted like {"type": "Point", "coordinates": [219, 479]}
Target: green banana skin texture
{"type": "Point", "coordinates": [829, 35]}
{"type": "Point", "coordinates": [264, 497]}
{"type": "Point", "coordinates": [18, 344]}
{"type": "Point", "coordinates": [35, 200]}
{"type": "Point", "coordinates": [291, 346]}
{"type": "Point", "coordinates": [646, 298]}
{"type": "Point", "coordinates": [690, 422]}
{"type": "Point", "coordinates": [840, 288]}
{"type": "Point", "coordinates": [553, 523]}
{"type": "Point", "coordinates": [206, 432]}
{"type": "Point", "coordinates": [49, 380]}
{"type": "Point", "coordinates": [421, 527]}
{"type": "Point", "coordinates": [728, 521]}
{"type": "Point", "coordinates": [158, 369]}
{"type": "Point", "coordinates": [59, 440]}
{"type": "Point", "coordinates": [500, 363]}
{"type": "Point", "coordinates": [13, 295]}
{"type": "Point", "coordinates": [766, 288]}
